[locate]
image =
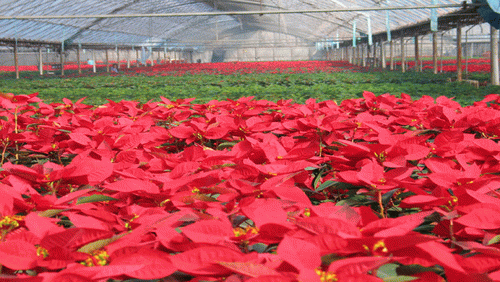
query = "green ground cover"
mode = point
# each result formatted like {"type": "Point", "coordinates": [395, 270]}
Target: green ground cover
{"type": "Point", "coordinates": [300, 87]}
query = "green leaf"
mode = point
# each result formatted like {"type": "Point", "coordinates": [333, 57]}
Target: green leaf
{"type": "Point", "coordinates": [96, 245]}
{"type": "Point", "coordinates": [494, 240]}
{"type": "Point", "coordinates": [226, 145]}
{"type": "Point", "coordinates": [316, 180]}
{"type": "Point", "coordinates": [429, 131]}
{"type": "Point", "coordinates": [329, 258]}
{"type": "Point", "coordinates": [416, 268]}
{"type": "Point", "coordinates": [311, 168]}
{"type": "Point", "coordinates": [259, 248]}
{"type": "Point", "coordinates": [325, 185]}
{"type": "Point", "coordinates": [347, 186]}
{"type": "Point", "coordinates": [94, 198]}
{"type": "Point", "coordinates": [386, 197]}
{"type": "Point", "coordinates": [50, 213]}
{"type": "Point", "coordinates": [388, 273]}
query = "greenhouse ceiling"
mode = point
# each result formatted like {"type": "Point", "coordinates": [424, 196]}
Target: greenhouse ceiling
{"type": "Point", "coordinates": [199, 22]}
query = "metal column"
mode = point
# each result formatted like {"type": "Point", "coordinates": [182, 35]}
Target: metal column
{"type": "Point", "coordinates": [494, 56]}
{"type": "Point", "coordinates": [417, 55]}
{"type": "Point", "coordinates": [403, 55]}
{"type": "Point", "coordinates": [78, 60]}
{"type": "Point", "coordinates": [459, 53]}
{"type": "Point", "coordinates": [16, 60]}
{"type": "Point", "coordinates": [435, 52]}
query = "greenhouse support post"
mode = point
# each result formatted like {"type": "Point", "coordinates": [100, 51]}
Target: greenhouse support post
{"type": "Point", "coordinates": [417, 55]}
{"type": "Point", "coordinates": [382, 54]}
{"type": "Point", "coordinates": [467, 50]}
{"type": "Point", "coordinates": [435, 52]}
{"type": "Point", "coordinates": [137, 57]}
{"type": "Point", "coordinates": [128, 59]}
{"type": "Point", "coordinates": [16, 60]}
{"type": "Point", "coordinates": [363, 56]}
{"type": "Point", "coordinates": [391, 55]}
{"type": "Point", "coordinates": [94, 66]}
{"type": "Point", "coordinates": [118, 58]}
{"type": "Point", "coordinates": [495, 80]}
{"type": "Point", "coordinates": [442, 52]}
{"type": "Point", "coordinates": [78, 60]}
{"type": "Point", "coordinates": [40, 61]}
{"type": "Point", "coordinates": [355, 54]}
{"type": "Point", "coordinates": [107, 60]}
{"type": "Point", "coordinates": [459, 53]}
{"type": "Point", "coordinates": [61, 53]}
{"type": "Point", "coordinates": [358, 55]}
{"type": "Point", "coordinates": [403, 58]}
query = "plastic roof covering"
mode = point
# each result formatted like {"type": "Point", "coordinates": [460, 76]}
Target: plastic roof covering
{"type": "Point", "coordinates": [198, 30]}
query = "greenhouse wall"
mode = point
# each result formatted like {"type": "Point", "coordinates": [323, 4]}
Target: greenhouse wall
{"type": "Point", "coordinates": [31, 56]}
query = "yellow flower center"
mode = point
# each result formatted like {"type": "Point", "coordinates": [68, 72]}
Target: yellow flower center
{"type": "Point", "coordinates": [127, 225]}
{"type": "Point", "coordinates": [381, 157]}
{"type": "Point", "coordinates": [238, 231]}
{"type": "Point", "coordinates": [98, 258]}
{"type": "Point", "coordinates": [10, 221]}
{"type": "Point", "coordinates": [307, 212]}
{"type": "Point", "coordinates": [326, 276]}
{"type": "Point", "coordinates": [41, 251]}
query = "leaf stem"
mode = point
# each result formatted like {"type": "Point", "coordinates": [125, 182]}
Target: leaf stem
{"type": "Point", "coordinates": [16, 131]}
{"type": "Point", "coordinates": [3, 153]}
{"type": "Point", "coordinates": [381, 205]}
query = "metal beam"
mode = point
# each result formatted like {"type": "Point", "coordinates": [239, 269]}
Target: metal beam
{"type": "Point", "coordinates": [232, 13]}
{"type": "Point", "coordinates": [70, 39]}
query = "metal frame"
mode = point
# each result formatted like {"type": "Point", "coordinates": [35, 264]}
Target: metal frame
{"type": "Point", "coordinates": [157, 22]}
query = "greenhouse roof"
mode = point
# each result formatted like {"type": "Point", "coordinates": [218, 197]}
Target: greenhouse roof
{"type": "Point", "coordinates": [189, 23]}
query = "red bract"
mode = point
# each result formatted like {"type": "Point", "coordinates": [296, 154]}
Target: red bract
{"type": "Point", "coordinates": [17, 254]}
{"type": "Point", "coordinates": [246, 190]}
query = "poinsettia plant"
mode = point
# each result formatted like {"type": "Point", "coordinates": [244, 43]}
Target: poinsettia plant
{"type": "Point", "coordinates": [381, 188]}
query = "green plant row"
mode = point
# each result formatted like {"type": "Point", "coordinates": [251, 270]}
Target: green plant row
{"type": "Point", "coordinates": [300, 87]}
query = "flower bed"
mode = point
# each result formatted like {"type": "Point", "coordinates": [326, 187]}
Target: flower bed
{"type": "Point", "coordinates": [179, 69]}
{"type": "Point", "coordinates": [473, 65]}
{"type": "Point", "coordinates": [374, 189]}
{"type": "Point", "coordinates": [67, 66]}
{"type": "Point", "coordinates": [249, 67]}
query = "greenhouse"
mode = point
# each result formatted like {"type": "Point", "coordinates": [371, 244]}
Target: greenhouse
{"type": "Point", "coordinates": [36, 33]}
{"type": "Point", "coordinates": [249, 140]}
